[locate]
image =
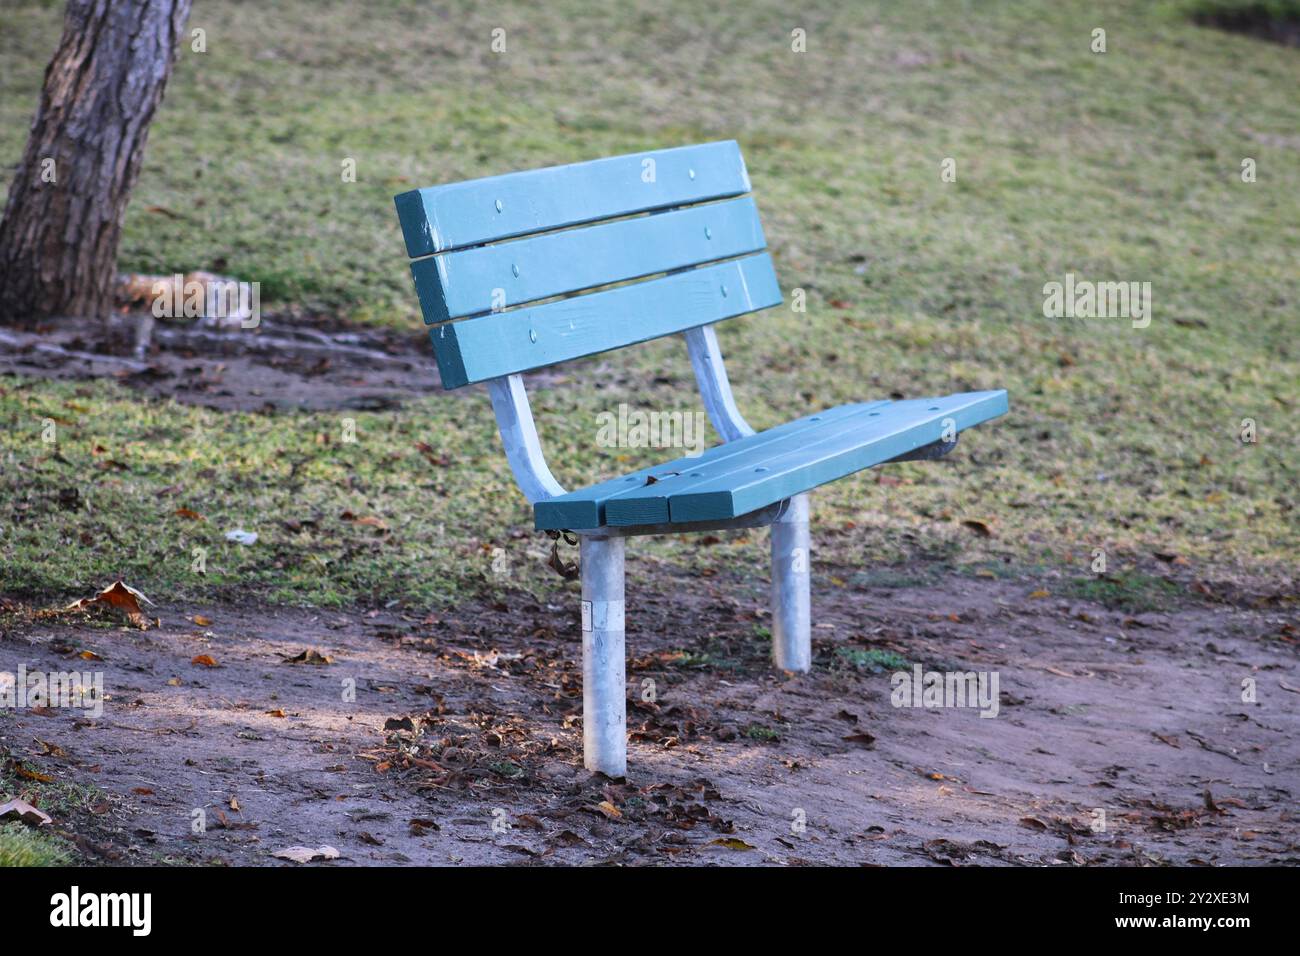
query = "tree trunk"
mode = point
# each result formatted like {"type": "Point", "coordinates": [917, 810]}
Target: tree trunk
{"type": "Point", "coordinates": [63, 220]}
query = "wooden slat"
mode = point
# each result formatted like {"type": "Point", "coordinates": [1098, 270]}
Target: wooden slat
{"type": "Point", "coordinates": [442, 218]}
{"type": "Point", "coordinates": [585, 508]}
{"type": "Point", "coordinates": [748, 483]}
{"type": "Point", "coordinates": [491, 278]}
{"type": "Point", "coordinates": [651, 504]}
{"type": "Point", "coordinates": [477, 349]}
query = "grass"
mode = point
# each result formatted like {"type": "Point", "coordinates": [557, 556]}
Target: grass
{"type": "Point", "coordinates": [872, 659]}
{"type": "Point", "coordinates": [1118, 166]}
{"type": "Point", "coordinates": [1133, 591]}
{"type": "Point", "coordinates": [20, 845]}
{"type": "Point", "coordinates": [23, 845]}
{"type": "Point", "coordinates": [760, 732]}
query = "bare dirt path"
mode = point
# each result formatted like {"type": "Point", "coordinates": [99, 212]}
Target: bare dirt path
{"type": "Point", "coordinates": [463, 742]}
{"type": "Point", "coordinates": [283, 363]}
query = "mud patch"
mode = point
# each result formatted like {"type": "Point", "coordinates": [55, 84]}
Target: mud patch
{"type": "Point", "coordinates": [284, 363]}
{"type": "Point", "coordinates": [446, 739]}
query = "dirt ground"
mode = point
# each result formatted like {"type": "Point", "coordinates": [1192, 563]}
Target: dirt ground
{"type": "Point", "coordinates": [286, 362]}
{"type": "Point", "coordinates": [463, 743]}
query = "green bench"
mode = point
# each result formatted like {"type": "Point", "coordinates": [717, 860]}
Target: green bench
{"type": "Point", "coordinates": [520, 271]}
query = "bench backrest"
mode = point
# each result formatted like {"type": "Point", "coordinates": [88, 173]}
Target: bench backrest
{"type": "Point", "coordinates": [498, 260]}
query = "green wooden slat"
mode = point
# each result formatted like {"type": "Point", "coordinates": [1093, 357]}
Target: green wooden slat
{"type": "Point", "coordinates": [585, 508]}
{"type": "Point", "coordinates": [456, 215]}
{"type": "Point", "coordinates": [760, 481]}
{"type": "Point", "coordinates": [491, 278]}
{"type": "Point", "coordinates": [650, 504]}
{"type": "Point", "coordinates": [477, 349]}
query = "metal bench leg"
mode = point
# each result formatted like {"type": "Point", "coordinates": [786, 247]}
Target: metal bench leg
{"type": "Point", "coordinates": [791, 579]}
{"type": "Point", "coordinates": [604, 670]}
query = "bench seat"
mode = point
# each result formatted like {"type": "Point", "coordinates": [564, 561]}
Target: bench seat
{"type": "Point", "coordinates": [750, 473]}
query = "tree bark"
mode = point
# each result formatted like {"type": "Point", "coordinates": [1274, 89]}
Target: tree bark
{"type": "Point", "coordinates": [63, 220]}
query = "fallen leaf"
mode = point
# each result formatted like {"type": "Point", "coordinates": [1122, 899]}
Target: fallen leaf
{"type": "Point", "coordinates": [201, 621]}
{"type": "Point", "coordinates": [118, 595]}
{"type": "Point", "coordinates": [304, 854]}
{"type": "Point", "coordinates": [310, 656]}
{"type": "Point", "coordinates": [864, 738]}
{"type": "Point", "coordinates": [610, 811]}
{"type": "Point", "coordinates": [205, 660]}
{"type": "Point", "coordinates": [979, 527]}
{"type": "Point", "coordinates": [164, 211]}
{"type": "Point", "coordinates": [1040, 593]}
{"type": "Point", "coordinates": [187, 513]}
{"type": "Point", "coordinates": [278, 712]}
{"type": "Point", "coordinates": [31, 774]}
{"type": "Point", "coordinates": [732, 843]}
{"type": "Point", "coordinates": [24, 811]}
{"type": "Point", "coordinates": [142, 791]}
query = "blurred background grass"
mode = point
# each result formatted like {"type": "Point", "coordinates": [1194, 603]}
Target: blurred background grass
{"type": "Point", "coordinates": [1117, 166]}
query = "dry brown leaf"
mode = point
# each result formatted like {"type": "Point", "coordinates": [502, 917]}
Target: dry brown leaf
{"type": "Point", "coordinates": [610, 811]}
{"type": "Point", "coordinates": [1040, 593]}
{"type": "Point", "coordinates": [305, 854]}
{"type": "Point", "coordinates": [205, 660]}
{"type": "Point", "coordinates": [24, 811]}
{"type": "Point", "coordinates": [278, 712]}
{"type": "Point", "coordinates": [187, 513]}
{"type": "Point", "coordinates": [981, 528]}
{"type": "Point", "coordinates": [310, 656]}
{"type": "Point", "coordinates": [732, 843]}
{"type": "Point", "coordinates": [31, 774]}
{"type": "Point", "coordinates": [201, 621]}
{"type": "Point", "coordinates": [119, 595]}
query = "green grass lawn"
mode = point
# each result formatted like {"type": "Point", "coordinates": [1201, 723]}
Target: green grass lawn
{"type": "Point", "coordinates": [1123, 165]}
